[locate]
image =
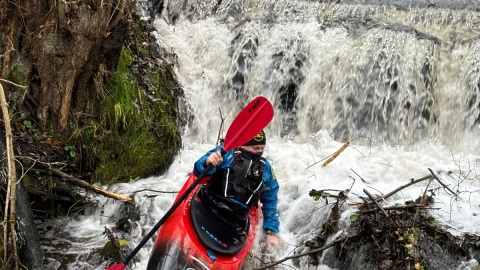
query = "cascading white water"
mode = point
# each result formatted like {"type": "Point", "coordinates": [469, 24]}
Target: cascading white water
{"type": "Point", "coordinates": [394, 75]}
{"type": "Point", "coordinates": [402, 83]}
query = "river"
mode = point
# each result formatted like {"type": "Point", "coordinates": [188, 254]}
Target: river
{"type": "Point", "coordinates": [401, 84]}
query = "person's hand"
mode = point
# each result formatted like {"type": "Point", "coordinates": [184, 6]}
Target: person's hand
{"type": "Point", "coordinates": [274, 240]}
{"type": "Point", "coordinates": [214, 159]}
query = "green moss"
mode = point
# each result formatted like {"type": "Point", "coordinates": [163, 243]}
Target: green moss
{"type": "Point", "coordinates": [132, 132]}
{"type": "Point", "coordinates": [18, 73]}
{"type": "Point", "coordinates": [49, 43]}
{"type": "Point", "coordinates": [135, 136]}
{"type": "Point", "coordinates": [118, 108]}
{"type": "Point", "coordinates": [110, 251]}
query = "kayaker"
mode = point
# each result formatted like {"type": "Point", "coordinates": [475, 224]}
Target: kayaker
{"type": "Point", "coordinates": [247, 179]}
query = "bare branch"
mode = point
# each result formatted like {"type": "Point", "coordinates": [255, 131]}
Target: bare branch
{"type": "Point", "coordinates": [375, 202]}
{"type": "Point", "coordinates": [12, 83]}
{"type": "Point", "coordinates": [219, 140]}
{"type": "Point", "coordinates": [85, 185]}
{"type": "Point", "coordinates": [363, 180]}
{"type": "Point", "coordinates": [412, 182]}
{"type": "Point", "coordinates": [441, 183]}
{"type": "Point", "coordinates": [11, 196]}
{"type": "Point", "coordinates": [335, 155]}
{"type": "Point", "coordinates": [313, 251]}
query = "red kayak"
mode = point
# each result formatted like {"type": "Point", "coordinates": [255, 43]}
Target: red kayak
{"type": "Point", "coordinates": [196, 238]}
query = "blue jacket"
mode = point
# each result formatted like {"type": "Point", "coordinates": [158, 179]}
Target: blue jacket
{"type": "Point", "coordinates": [269, 194]}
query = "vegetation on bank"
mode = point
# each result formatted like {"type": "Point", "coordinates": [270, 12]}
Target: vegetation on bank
{"type": "Point", "coordinates": [135, 134]}
{"type": "Point", "coordinates": [128, 130]}
{"type": "Point", "coordinates": [90, 101]}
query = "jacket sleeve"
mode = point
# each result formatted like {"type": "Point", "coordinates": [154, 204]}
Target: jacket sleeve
{"type": "Point", "coordinates": [269, 200]}
{"type": "Point", "coordinates": [199, 165]}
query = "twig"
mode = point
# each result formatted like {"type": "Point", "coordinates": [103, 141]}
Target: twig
{"type": "Point", "coordinates": [318, 162]}
{"type": "Point", "coordinates": [412, 182]}
{"type": "Point", "coordinates": [363, 180]}
{"type": "Point", "coordinates": [152, 190]}
{"type": "Point", "coordinates": [313, 251]}
{"type": "Point", "coordinates": [331, 157]}
{"type": "Point", "coordinates": [335, 155]}
{"type": "Point", "coordinates": [441, 183]}
{"type": "Point", "coordinates": [113, 21]}
{"type": "Point", "coordinates": [401, 207]}
{"type": "Point", "coordinates": [388, 163]}
{"type": "Point", "coordinates": [424, 196]}
{"type": "Point", "coordinates": [12, 83]}
{"type": "Point", "coordinates": [375, 202]}
{"type": "Point", "coordinates": [310, 153]}
{"type": "Point", "coordinates": [221, 127]}
{"type": "Point", "coordinates": [47, 195]}
{"type": "Point", "coordinates": [85, 185]}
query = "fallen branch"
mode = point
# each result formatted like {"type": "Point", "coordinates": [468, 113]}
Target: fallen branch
{"type": "Point", "coordinates": [412, 182]}
{"type": "Point", "coordinates": [400, 207]}
{"type": "Point", "coordinates": [335, 155]}
{"type": "Point", "coordinates": [80, 183]}
{"type": "Point", "coordinates": [313, 251]}
{"type": "Point", "coordinates": [396, 233]}
{"type": "Point", "coordinates": [12, 83]}
{"type": "Point", "coordinates": [441, 183]}
{"type": "Point", "coordinates": [375, 202]}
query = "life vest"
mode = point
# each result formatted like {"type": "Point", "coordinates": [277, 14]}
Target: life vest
{"type": "Point", "coordinates": [242, 183]}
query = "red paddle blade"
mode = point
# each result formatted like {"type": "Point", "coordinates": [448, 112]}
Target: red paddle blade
{"type": "Point", "coordinates": [249, 122]}
{"type": "Point", "coordinates": [118, 266]}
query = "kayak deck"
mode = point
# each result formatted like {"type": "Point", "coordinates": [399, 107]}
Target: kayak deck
{"type": "Point", "coordinates": [178, 247]}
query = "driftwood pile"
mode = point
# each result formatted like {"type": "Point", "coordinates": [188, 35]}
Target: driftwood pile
{"type": "Point", "coordinates": [395, 237]}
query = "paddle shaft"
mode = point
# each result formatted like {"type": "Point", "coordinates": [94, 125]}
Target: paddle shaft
{"type": "Point", "coordinates": [169, 213]}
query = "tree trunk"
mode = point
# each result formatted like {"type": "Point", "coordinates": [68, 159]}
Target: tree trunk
{"type": "Point", "coordinates": [56, 48]}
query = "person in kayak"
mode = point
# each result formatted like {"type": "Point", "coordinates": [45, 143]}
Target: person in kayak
{"type": "Point", "coordinates": [247, 180]}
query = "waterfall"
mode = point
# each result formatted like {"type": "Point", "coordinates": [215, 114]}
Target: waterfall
{"type": "Point", "coordinates": [401, 78]}
{"type": "Point", "coordinates": [395, 75]}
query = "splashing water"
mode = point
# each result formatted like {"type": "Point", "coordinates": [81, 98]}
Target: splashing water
{"type": "Point", "coordinates": [401, 84]}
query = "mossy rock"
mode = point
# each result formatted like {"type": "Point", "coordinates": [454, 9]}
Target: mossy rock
{"type": "Point", "coordinates": [135, 134]}
{"type": "Point", "coordinates": [111, 252]}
